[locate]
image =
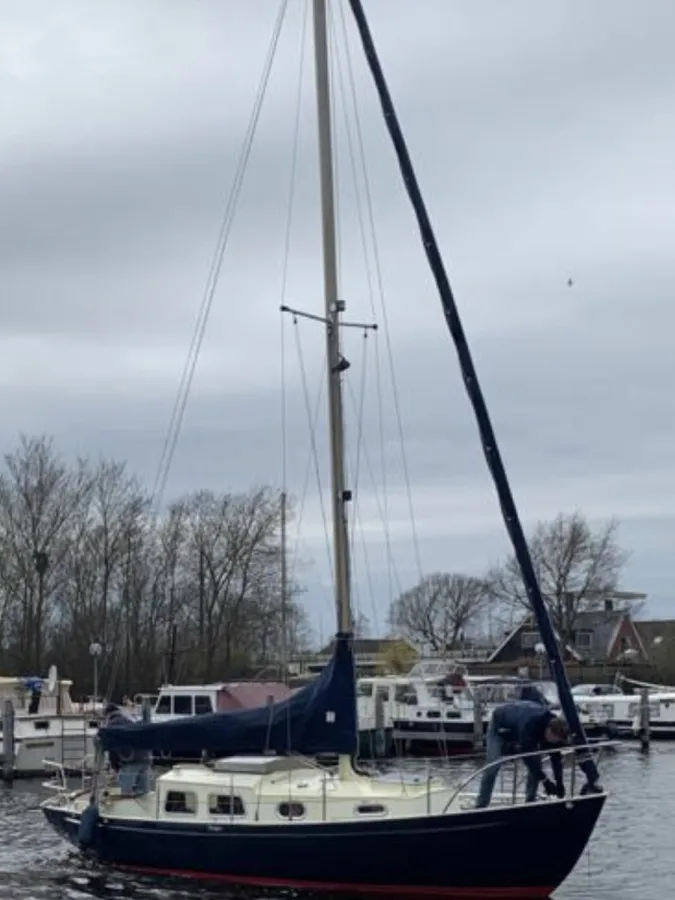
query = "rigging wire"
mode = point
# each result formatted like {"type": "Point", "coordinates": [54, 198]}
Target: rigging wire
{"type": "Point", "coordinates": [340, 81]}
{"type": "Point", "coordinates": [369, 467]}
{"type": "Point", "coordinates": [356, 515]}
{"type": "Point", "coordinates": [473, 389]}
{"type": "Point", "coordinates": [353, 467]}
{"type": "Point", "coordinates": [381, 294]}
{"type": "Point", "coordinates": [176, 420]}
{"type": "Point", "coordinates": [287, 246]}
{"type": "Point", "coordinates": [337, 171]}
{"type": "Point", "coordinates": [308, 466]}
{"type": "Point", "coordinates": [359, 430]}
{"type": "Point", "coordinates": [284, 284]}
{"type": "Point", "coordinates": [312, 437]}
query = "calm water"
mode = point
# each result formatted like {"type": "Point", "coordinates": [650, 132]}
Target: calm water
{"type": "Point", "coordinates": [631, 856]}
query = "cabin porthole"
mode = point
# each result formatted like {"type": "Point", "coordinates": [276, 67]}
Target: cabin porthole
{"type": "Point", "coordinates": [291, 811]}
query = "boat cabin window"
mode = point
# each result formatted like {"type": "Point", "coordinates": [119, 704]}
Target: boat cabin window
{"type": "Point", "coordinates": [291, 810]}
{"type": "Point", "coordinates": [163, 707]}
{"type": "Point", "coordinates": [182, 705]}
{"type": "Point", "coordinates": [226, 805]}
{"type": "Point", "coordinates": [364, 690]}
{"type": "Point", "coordinates": [371, 809]}
{"type": "Point", "coordinates": [405, 693]}
{"type": "Point", "coordinates": [654, 710]}
{"type": "Point", "coordinates": [42, 725]}
{"type": "Point", "coordinates": [180, 802]}
{"type": "Point", "coordinates": [494, 694]}
{"type": "Point", "coordinates": [203, 705]}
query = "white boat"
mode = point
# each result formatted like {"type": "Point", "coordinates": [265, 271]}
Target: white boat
{"type": "Point", "coordinates": [622, 711]}
{"type": "Point", "coordinates": [48, 728]}
{"type": "Point", "coordinates": [432, 709]}
{"type": "Point", "coordinates": [265, 817]}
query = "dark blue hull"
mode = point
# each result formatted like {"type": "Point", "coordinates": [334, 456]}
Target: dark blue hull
{"type": "Point", "coordinates": [519, 852]}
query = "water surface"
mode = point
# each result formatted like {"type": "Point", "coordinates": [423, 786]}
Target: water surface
{"type": "Point", "coordinates": [631, 855]}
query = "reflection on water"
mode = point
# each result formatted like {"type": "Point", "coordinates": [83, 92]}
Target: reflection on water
{"type": "Point", "coordinates": [630, 857]}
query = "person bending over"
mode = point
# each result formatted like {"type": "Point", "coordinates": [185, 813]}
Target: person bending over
{"type": "Point", "coordinates": [524, 726]}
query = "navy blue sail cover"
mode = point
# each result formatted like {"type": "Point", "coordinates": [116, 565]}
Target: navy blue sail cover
{"type": "Point", "coordinates": [319, 718]}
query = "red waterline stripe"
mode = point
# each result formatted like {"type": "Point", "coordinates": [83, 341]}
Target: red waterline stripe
{"type": "Point", "coordinates": [391, 890]}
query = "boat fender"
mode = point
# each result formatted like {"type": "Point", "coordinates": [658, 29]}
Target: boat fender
{"type": "Point", "coordinates": [87, 827]}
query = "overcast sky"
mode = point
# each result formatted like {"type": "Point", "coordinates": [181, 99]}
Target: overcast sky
{"type": "Point", "coordinates": [543, 137]}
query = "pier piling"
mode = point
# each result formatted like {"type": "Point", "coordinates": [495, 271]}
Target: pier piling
{"type": "Point", "coordinates": [379, 723]}
{"type": "Point", "coordinates": [644, 721]}
{"type": "Point", "coordinates": [478, 730]}
{"type": "Point", "coordinates": [7, 740]}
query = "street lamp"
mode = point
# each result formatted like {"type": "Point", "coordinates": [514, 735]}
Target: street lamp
{"type": "Point", "coordinates": [540, 650]}
{"type": "Point", "coordinates": [95, 650]}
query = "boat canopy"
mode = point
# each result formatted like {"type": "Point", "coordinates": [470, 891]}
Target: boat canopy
{"type": "Point", "coordinates": [319, 718]}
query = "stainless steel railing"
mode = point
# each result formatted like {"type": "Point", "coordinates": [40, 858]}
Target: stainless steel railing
{"type": "Point", "coordinates": [515, 768]}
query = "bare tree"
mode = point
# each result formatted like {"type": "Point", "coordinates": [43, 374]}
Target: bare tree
{"type": "Point", "coordinates": [438, 610]}
{"type": "Point", "coordinates": [361, 627]}
{"type": "Point", "coordinates": [39, 499]}
{"type": "Point", "coordinates": [577, 567]}
{"type": "Point", "coordinates": [194, 595]}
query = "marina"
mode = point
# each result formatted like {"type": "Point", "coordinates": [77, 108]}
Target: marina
{"type": "Point", "coordinates": [628, 858]}
{"type": "Point", "coordinates": [510, 733]}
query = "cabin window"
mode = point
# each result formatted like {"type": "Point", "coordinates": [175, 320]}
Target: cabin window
{"type": "Point", "coordinates": [182, 705]}
{"type": "Point", "coordinates": [180, 802]}
{"type": "Point", "coordinates": [203, 705]}
{"type": "Point", "coordinates": [584, 640]}
{"type": "Point", "coordinates": [41, 726]}
{"type": "Point", "coordinates": [371, 809]}
{"type": "Point", "coordinates": [529, 639]}
{"type": "Point", "coordinates": [364, 690]}
{"type": "Point", "coordinates": [405, 693]}
{"type": "Point", "coordinates": [163, 706]}
{"type": "Point", "coordinates": [634, 710]}
{"type": "Point", "coordinates": [291, 810]}
{"type": "Point", "coordinates": [226, 805]}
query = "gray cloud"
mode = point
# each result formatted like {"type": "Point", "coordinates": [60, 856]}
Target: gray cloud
{"type": "Point", "coordinates": [543, 139]}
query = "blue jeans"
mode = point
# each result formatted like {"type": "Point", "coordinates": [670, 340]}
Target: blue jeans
{"type": "Point", "coordinates": [133, 778]}
{"type": "Point", "coordinates": [495, 750]}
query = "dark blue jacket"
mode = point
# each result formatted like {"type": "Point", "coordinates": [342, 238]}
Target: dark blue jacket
{"type": "Point", "coordinates": [524, 722]}
{"type": "Point", "coordinates": [114, 718]}
{"type": "Point", "coordinates": [532, 692]}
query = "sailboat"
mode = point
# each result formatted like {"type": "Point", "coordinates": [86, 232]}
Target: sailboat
{"type": "Point", "coordinates": [263, 812]}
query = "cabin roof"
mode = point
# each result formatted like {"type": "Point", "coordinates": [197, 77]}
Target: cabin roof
{"type": "Point", "coordinates": [191, 688]}
{"type": "Point", "coordinates": [18, 680]}
{"type": "Point", "coordinates": [603, 623]}
{"type": "Point", "coordinates": [655, 632]}
{"type": "Point", "coordinates": [248, 694]}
